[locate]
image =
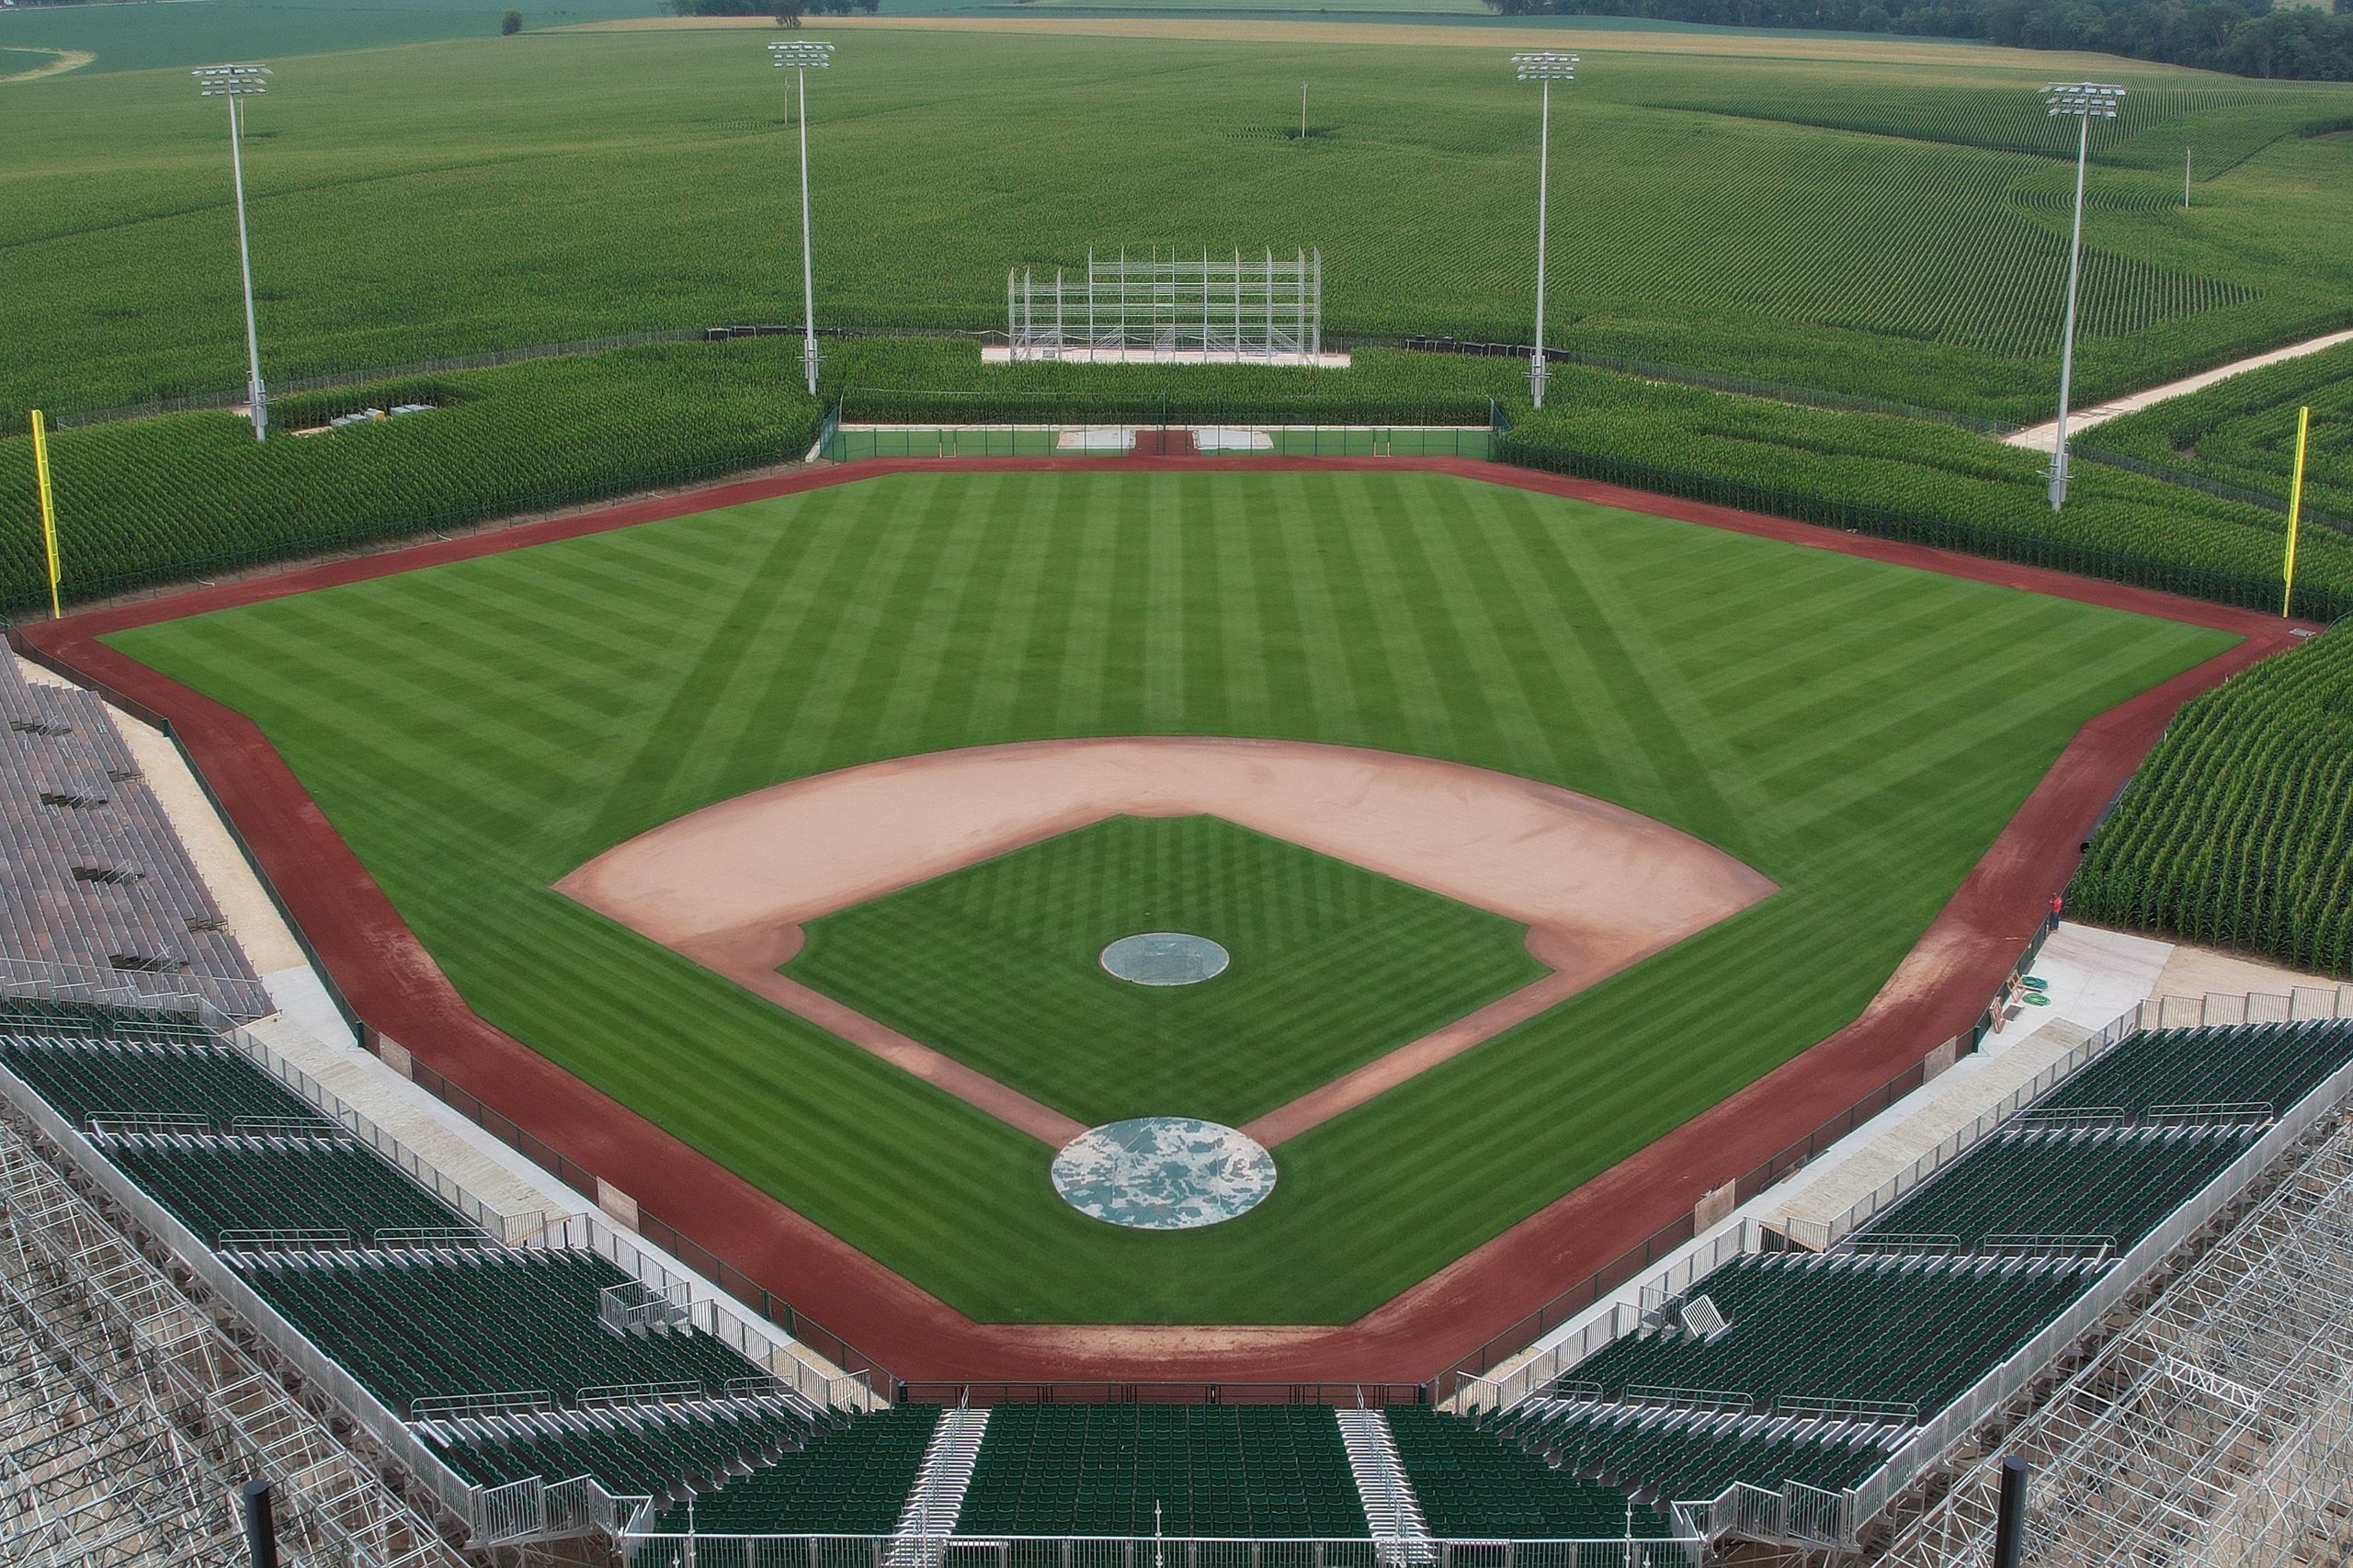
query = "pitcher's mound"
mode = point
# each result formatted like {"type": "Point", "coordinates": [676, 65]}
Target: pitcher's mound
{"type": "Point", "coordinates": [1164, 1173]}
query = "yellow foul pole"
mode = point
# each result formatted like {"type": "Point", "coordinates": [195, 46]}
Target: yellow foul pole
{"type": "Point", "coordinates": [2295, 509]}
{"type": "Point", "coordinates": [48, 508]}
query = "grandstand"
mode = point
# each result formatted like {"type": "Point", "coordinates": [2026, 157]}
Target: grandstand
{"type": "Point", "coordinates": [557, 1387]}
{"type": "Point", "coordinates": [95, 887]}
{"type": "Point", "coordinates": [1725, 1392]}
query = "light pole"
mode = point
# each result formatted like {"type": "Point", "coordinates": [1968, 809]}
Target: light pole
{"type": "Point", "coordinates": [802, 59]}
{"type": "Point", "coordinates": [2087, 101]}
{"type": "Point", "coordinates": [234, 82]}
{"type": "Point", "coordinates": [1548, 68]}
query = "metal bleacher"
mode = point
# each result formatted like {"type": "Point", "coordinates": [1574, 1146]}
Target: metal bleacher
{"type": "Point", "coordinates": [93, 880]}
{"type": "Point", "coordinates": [514, 1371]}
{"type": "Point", "coordinates": [1836, 1375]}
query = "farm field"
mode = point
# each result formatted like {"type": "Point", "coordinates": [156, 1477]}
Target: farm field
{"type": "Point", "coordinates": [1861, 224]}
{"type": "Point", "coordinates": [204, 32]}
{"type": "Point", "coordinates": [1855, 732]}
{"type": "Point", "coordinates": [2238, 831]}
{"type": "Point", "coordinates": [2242, 430]}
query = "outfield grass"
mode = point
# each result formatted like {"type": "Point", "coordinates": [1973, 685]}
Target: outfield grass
{"type": "Point", "coordinates": [1862, 224]}
{"type": "Point", "coordinates": [1856, 731]}
{"type": "Point", "coordinates": [998, 965]}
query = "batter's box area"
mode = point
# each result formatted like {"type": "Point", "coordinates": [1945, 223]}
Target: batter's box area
{"type": "Point", "coordinates": [957, 913]}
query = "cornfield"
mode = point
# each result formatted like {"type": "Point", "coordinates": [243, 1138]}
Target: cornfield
{"type": "Point", "coordinates": [2238, 832]}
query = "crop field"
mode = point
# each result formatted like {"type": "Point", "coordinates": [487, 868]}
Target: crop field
{"type": "Point", "coordinates": [2242, 430]}
{"type": "Point", "coordinates": [2238, 831]}
{"type": "Point", "coordinates": [1863, 225]}
{"type": "Point", "coordinates": [1856, 732]}
{"type": "Point", "coordinates": [144, 37]}
{"type": "Point", "coordinates": [158, 500]}
{"type": "Point", "coordinates": [137, 499]}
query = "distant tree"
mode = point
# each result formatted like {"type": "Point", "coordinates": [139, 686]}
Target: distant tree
{"type": "Point", "coordinates": [871, 7]}
{"type": "Point", "coordinates": [512, 24]}
{"type": "Point", "coordinates": [787, 15]}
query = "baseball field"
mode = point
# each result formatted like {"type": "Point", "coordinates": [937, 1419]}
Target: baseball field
{"type": "Point", "coordinates": [1847, 735]}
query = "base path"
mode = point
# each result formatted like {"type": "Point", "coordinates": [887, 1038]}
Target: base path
{"type": "Point", "coordinates": [2043, 437]}
{"type": "Point", "coordinates": [1607, 1228]}
{"type": "Point", "coordinates": [1598, 887]}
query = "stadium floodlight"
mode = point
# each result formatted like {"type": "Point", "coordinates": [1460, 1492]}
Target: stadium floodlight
{"type": "Point", "coordinates": [2087, 101]}
{"type": "Point", "coordinates": [1546, 67]}
{"type": "Point", "coordinates": [800, 59]}
{"type": "Point", "coordinates": [234, 82]}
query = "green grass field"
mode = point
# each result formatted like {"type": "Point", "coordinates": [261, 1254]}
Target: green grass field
{"type": "Point", "coordinates": [1855, 732]}
{"type": "Point", "coordinates": [1880, 217]}
{"type": "Point", "coordinates": [998, 965]}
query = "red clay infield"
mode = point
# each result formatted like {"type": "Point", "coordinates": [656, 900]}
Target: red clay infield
{"type": "Point", "coordinates": [1939, 991]}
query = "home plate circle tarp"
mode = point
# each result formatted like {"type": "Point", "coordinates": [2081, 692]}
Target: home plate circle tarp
{"type": "Point", "coordinates": [1165, 958]}
{"type": "Point", "coordinates": [1164, 1173]}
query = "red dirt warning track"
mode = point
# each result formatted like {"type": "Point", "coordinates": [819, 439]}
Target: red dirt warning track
{"type": "Point", "coordinates": [1937, 992]}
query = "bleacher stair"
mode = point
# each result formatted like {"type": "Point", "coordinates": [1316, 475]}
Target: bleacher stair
{"type": "Point", "coordinates": [937, 1497]}
{"type": "Point", "coordinates": [1384, 1487]}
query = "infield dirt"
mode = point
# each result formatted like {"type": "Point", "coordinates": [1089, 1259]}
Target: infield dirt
{"type": "Point", "coordinates": [1598, 887]}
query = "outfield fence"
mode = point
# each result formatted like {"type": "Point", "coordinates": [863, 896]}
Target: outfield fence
{"type": "Point", "coordinates": [2220, 489]}
{"type": "Point", "coordinates": [849, 442]}
{"type": "Point", "coordinates": [1911, 527]}
{"type": "Point", "coordinates": [790, 445]}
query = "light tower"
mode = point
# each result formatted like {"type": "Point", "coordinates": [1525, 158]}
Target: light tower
{"type": "Point", "coordinates": [2087, 101]}
{"type": "Point", "coordinates": [800, 59]}
{"type": "Point", "coordinates": [234, 82]}
{"type": "Point", "coordinates": [1546, 67]}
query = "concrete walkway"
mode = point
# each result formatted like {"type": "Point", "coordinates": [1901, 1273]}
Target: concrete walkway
{"type": "Point", "coordinates": [2042, 438]}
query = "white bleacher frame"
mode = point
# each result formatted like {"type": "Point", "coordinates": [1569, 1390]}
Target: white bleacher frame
{"type": "Point", "coordinates": [519, 1510]}
{"type": "Point", "coordinates": [167, 1354]}
{"type": "Point", "coordinates": [2150, 1452]}
{"type": "Point", "coordinates": [1833, 1519]}
{"type": "Point", "coordinates": [770, 1351]}
{"type": "Point", "coordinates": [1814, 1517]}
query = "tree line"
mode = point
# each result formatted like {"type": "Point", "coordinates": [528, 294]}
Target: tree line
{"type": "Point", "coordinates": [2250, 38]}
